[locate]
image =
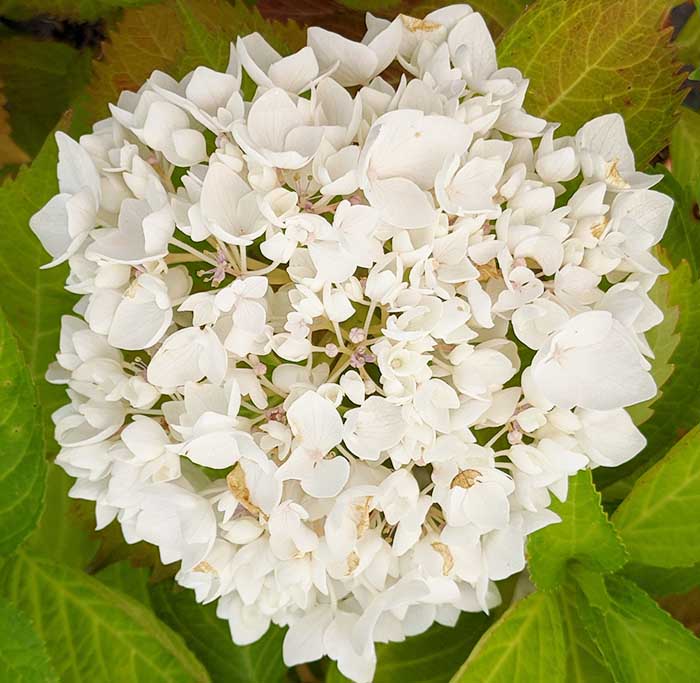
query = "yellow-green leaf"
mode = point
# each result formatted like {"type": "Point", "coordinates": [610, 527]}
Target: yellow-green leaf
{"type": "Point", "coordinates": [125, 578]}
{"type": "Point", "coordinates": [10, 152]}
{"type": "Point", "coordinates": [22, 463]}
{"type": "Point", "coordinates": [584, 662]}
{"type": "Point", "coordinates": [40, 78]}
{"type": "Point", "coordinates": [688, 40]}
{"type": "Point", "coordinates": [145, 39]}
{"type": "Point", "coordinates": [660, 581]}
{"type": "Point", "coordinates": [680, 241]}
{"type": "Point", "coordinates": [659, 521]}
{"type": "Point", "coordinates": [585, 58]}
{"type": "Point", "coordinates": [62, 535]}
{"type": "Point", "coordinates": [685, 150]}
{"type": "Point", "coordinates": [175, 38]}
{"type": "Point", "coordinates": [640, 642]}
{"type": "Point", "coordinates": [94, 633]}
{"type": "Point", "coordinates": [23, 657]}
{"type": "Point", "coordinates": [526, 645]}
{"type": "Point", "coordinates": [210, 639]}
{"type": "Point", "coordinates": [584, 535]}
{"type": "Point", "coordinates": [33, 300]}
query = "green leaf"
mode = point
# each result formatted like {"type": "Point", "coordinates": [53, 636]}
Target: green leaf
{"type": "Point", "coordinates": [685, 149]}
{"type": "Point", "coordinates": [677, 411]}
{"type": "Point", "coordinates": [659, 522]}
{"type": "Point", "coordinates": [145, 39]}
{"type": "Point", "coordinates": [41, 79]}
{"type": "Point", "coordinates": [640, 642]}
{"type": "Point", "coordinates": [585, 58]}
{"type": "Point", "coordinates": [499, 14]}
{"type": "Point", "coordinates": [23, 656]}
{"type": "Point", "coordinates": [584, 662]}
{"type": "Point", "coordinates": [431, 657]}
{"type": "Point", "coordinates": [76, 10]}
{"type": "Point", "coordinates": [22, 464]}
{"type": "Point", "coordinates": [209, 26]}
{"type": "Point", "coordinates": [526, 645]}
{"type": "Point", "coordinates": [94, 633]}
{"type": "Point", "coordinates": [132, 581]}
{"type": "Point", "coordinates": [593, 586]}
{"type": "Point", "coordinates": [206, 25]}
{"type": "Point", "coordinates": [33, 300]}
{"type": "Point", "coordinates": [680, 242]}
{"type": "Point", "coordinates": [62, 534]}
{"type": "Point", "coordinates": [584, 535]}
{"type": "Point", "coordinates": [210, 639]}
{"type": "Point", "coordinates": [688, 41]}
{"type": "Point", "coordinates": [175, 38]}
{"type": "Point", "coordinates": [660, 581]}
{"type": "Point", "coordinates": [10, 152]}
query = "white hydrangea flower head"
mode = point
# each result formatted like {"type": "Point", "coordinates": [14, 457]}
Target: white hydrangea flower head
{"type": "Point", "coordinates": [340, 339]}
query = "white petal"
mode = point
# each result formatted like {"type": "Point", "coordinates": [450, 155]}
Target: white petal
{"type": "Point", "coordinates": [354, 387]}
{"type": "Point", "coordinates": [145, 438]}
{"type": "Point", "coordinates": [50, 225]}
{"type": "Point", "coordinates": [303, 641]}
{"type": "Point", "coordinates": [76, 170]}
{"type": "Point", "coordinates": [609, 438]}
{"type": "Point", "coordinates": [222, 191]}
{"type": "Point", "coordinates": [592, 362]}
{"type": "Point", "coordinates": [357, 62]}
{"type": "Point", "coordinates": [333, 262]}
{"type": "Point", "coordinates": [487, 506]}
{"type": "Point", "coordinates": [605, 137]}
{"type": "Point", "coordinates": [316, 421]}
{"type": "Point", "coordinates": [412, 145]}
{"type": "Point", "coordinates": [504, 552]}
{"type": "Point", "coordinates": [328, 478]}
{"type": "Point", "coordinates": [138, 324]}
{"type": "Point", "coordinates": [295, 72]}
{"type": "Point", "coordinates": [402, 203]}
{"type": "Point", "coordinates": [217, 450]}
{"type": "Point", "coordinates": [270, 119]}
{"type": "Point", "coordinates": [209, 89]}
{"type": "Point", "coordinates": [470, 41]}
{"type": "Point", "coordinates": [190, 145]}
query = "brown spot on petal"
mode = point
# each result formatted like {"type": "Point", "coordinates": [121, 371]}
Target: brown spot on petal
{"type": "Point", "coordinates": [487, 271]}
{"type": "Point", "coordinates": [599, 229]}
{"type": "Point", "coordinates": [235, 480]}
{"type": "Point", "coordinates": [465, 479]}
{"type": "Point", "coordinates": [362, 512]}
{"type": "Point", "coordinates": [353, 562]}
{"type": "Point", "coordinates": [613, 176]}
{"type": "Point", "coordinates": [419, 25]}
{"type": "Point", "coordinates": [205, 568]}
{"type": "Point", "coordinates": [448, 561]}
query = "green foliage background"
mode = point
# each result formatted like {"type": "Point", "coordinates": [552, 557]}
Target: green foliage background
{"type": "Point", "coordinates": [616, 585]}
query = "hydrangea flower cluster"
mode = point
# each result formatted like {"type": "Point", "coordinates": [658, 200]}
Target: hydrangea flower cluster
{"type": "Point", "coordinates": [337, 346]}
